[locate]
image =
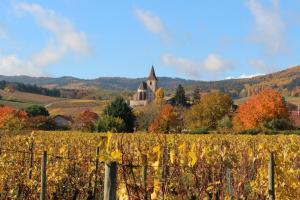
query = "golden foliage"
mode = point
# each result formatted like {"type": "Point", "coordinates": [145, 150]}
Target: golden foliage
{"type": "Point", "coordinates": [159, 96]}
{"type": "Point", "coordinates": [206, 114]}
{"type": "Point", "coordinates": [166, 121]}
{"type": "Point", "coordinates": [196, 164]}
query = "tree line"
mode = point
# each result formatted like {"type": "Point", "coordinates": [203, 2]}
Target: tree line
{"type": "Point", "coordinates": [214, 111]}
{"type": "Point", "coordinates": [4, 85]}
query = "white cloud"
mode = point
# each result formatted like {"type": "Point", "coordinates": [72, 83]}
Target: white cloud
{"type": "Point", "coordinates": [269, 26]}
{"type": "Point", "coordinates": [211, 65]}
{"type": "Point", "coordinates": [62, 28]}
{"type": "Point", "coordinates": [48, 55]}
{"type": "Point", "coordinates": [11, 65]}
{"type": "Point", "coordinates": [214, 63]}
{"type": "Point", "coordinates": [66, 39]}
{"type": "Point", "coordinates": [182, 65]}
{"type": "Point", "coordinates": [152, 22]}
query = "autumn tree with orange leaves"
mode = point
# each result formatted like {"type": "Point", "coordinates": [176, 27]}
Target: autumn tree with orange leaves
{"type": "Point", "coordinates": [11, 119]}
{"type": "Point", "coordinates": [166, 121]}
{"type": "Point", "coordinates": [261, 108]}
{"type": "Point", "coordinates": [85, 121]}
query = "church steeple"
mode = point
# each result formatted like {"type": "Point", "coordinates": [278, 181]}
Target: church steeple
{"type": "Point", "coordinates": [152, 76]}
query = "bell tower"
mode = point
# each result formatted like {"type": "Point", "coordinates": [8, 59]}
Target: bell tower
{"type": "Point", "coordinates": [152, 84]}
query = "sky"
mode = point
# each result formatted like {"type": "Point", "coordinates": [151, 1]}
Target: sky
{"type": "Point", "coordinates": [200, 40]}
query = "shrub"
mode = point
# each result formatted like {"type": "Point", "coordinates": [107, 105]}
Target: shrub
{"type": "Point", "coordinates": [11, 119]}
{"type": "Point", "coordinates": [109, 123]}
{"type": "Point", "coordinates": [249, 132]}
{"type": "Point", "coordinates": [225, 123]}
{"type": "Point", "coordinates": [85, 121]}
{"type": "Point", "coordinates": [36, 110]}
{"type": "Point", "coordinates": [199, 131]}
{"type": "Point", "coordinates": [118, 108]}
{"type": "Point", "coordinates": [40, 123]}
{"type": "Point", "coordinates": [278, 124]}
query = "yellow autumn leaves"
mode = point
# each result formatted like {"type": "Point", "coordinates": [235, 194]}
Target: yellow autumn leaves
{"type": "Point", "coordinates": [191, 155]}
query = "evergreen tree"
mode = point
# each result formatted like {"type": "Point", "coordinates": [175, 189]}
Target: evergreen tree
{"type": "Point", "coordinates": [180, 97]}
{"type": "Point", "coordinates": [118, 108]}
{"type": "Point", "coordinates": [196, 95]}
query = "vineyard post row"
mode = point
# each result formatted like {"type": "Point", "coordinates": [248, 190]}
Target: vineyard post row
{"type": "Point", "coordinates": [110, 178]}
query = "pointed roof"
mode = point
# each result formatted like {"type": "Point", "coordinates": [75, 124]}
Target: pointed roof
{"type": "Point", "coordinates": [143, 86]}
{"type": "Point", "coordinates": [152, 75]}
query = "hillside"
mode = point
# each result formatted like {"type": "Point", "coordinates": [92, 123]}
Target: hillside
{"type": "Point", "coordinates": [286, 81]}
{"type": "Point", "coordinates": [55, 105]}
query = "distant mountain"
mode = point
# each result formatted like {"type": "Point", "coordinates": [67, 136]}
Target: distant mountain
{"type": "Point", "coordinates": [107, 83]}
{"type": "Point", "coordinates": [286, 81]}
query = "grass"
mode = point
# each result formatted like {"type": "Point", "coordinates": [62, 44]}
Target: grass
{"type": "Point", "coordinates": [55, 105]}
{"type": "Point", "coordinates": [27, 97]}
{"type": "Point", "coordinates": [16, 104]}
{"type": "Point", "coordinates": [72, 107]}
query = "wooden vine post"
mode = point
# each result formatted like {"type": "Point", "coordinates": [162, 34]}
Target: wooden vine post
{"type": "Point", "coordinates": [43, 176]}
{"type": "Point", "coordinates": [31, 158]}
{"type": "Point", "coordinates": [271, 174]}
{"type": "Point", "coordinates": [96, 170]}
{"type": "Point", "coordinates": [110, 181]}
{"type": "Point", "coordinates": [229, 183]}
{"type": "Point", "coordinates": [144, 177]}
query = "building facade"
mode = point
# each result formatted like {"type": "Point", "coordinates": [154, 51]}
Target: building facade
{"type": "Point", "coordinates": [146, 91]}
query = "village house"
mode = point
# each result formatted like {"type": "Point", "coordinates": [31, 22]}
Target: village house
{"type": "Point", "coordinates": [146, 91]}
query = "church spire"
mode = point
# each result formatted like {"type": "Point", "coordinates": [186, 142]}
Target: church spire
{"type": "Point", "coordinates": [152, 75]}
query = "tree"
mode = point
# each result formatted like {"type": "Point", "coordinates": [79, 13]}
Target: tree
{"type": "Point", "coordinates": [118, 108]}
{"type": "Point", "coordinates": [278, 124]}
{"type": "Point", "coordinates": [206, 114]}
{"type": "Point", "coordinates": [40, 122]}
{"type": "Point", "coordinates": [196, 95]}
{"type": "Point", "coordinates": [145, 116]}
{"type": "Point", "coordinates": [225, 123]}
{"type": "Point", "coordinates": [109, 123]}
{"type": "Point", "coordinates": [11, 119]}
{"type": "Point", "coordinates": [180, 97]}
{"type": "Point", "coordinates": [261, 108]}
{"type": "Point", "coordinates": [159, 96]}
{"type": "Point", "coordinates": [36, 110]}
{"type": "Point", "coordinates": [85, 121]}
{"type": "Point", "coordinates": [166, 121]}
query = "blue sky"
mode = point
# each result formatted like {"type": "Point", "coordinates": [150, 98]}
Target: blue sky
{"type": "Point", "coordinates": [202, 40]}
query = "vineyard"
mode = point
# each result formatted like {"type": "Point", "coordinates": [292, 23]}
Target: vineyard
{"type": "Point", "coordinates": [151, 166]}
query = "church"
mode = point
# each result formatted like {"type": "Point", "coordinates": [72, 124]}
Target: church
{"type": "Point", "coordinates": [146, 91]}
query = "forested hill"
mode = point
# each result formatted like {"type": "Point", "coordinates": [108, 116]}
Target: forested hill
{"type": "Point", "coordinates": [286, 81]}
